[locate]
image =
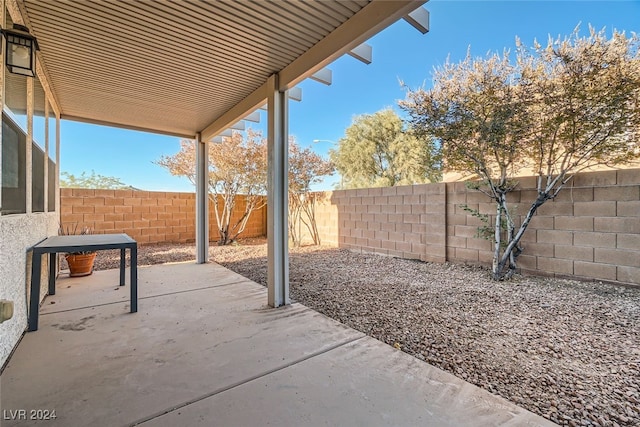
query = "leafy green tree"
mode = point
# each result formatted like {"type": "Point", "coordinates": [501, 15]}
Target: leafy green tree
{"type": "Point", "coordinates": [96, 181]}
{"type": "Point", "coordinates": [557, 109]}
{"type": "Point", "coordinates": [378, 151]}
{"type": "Point", "coordinates": [237, 166]}
{"type": "Point", "coordinates": [305, 168]}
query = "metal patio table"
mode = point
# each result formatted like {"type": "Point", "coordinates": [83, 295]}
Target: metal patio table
{"type": "Point", "coordinates": [79, 243]}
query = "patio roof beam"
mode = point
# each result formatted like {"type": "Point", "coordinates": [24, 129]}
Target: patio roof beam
{"type": "Point", "coordinates": [123, 126]}
{"type": "Point", "coordinates": [241, 109]}
{"type": "Point", "coordinates": [360, 27]}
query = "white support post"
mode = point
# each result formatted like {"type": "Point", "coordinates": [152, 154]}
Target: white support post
{"type": "Point", "coordinates": [202, 200]}
{"type": "Point", "coordinates": [277, 200]}
{"type": "Point", "coordinates": [3, 12]}
{"type": "Point", "coordinates": [58, 168]}
{"type": "Point", "coordinates": [46, 153]}
{"type": "Point", "coordinates": [29, 150]}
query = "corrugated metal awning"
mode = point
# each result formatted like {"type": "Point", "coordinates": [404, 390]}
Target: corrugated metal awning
{"type": "Point", "coordinates": [176, 67]}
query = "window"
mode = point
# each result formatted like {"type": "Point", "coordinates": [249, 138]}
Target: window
{"type": "Point", "coordinates": [38, 149]}
{"type": "Point", "coordinates": [51, 184]}
{"type": "Point", "coordinates": [53, 176]}
{"type": "Point", "coordinates": [14, 171]}
{"type": "Point", "coordinates": [14, 147]}
{"type": "Point", "coordinates": [37, 178]}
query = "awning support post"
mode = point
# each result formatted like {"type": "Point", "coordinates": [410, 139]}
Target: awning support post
{"type": "Point", "coordinates": [277, 195]}
{"type": "Point", "coordinates": [202, 200]}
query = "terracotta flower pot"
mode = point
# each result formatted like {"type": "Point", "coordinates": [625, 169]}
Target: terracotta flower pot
{"type": "Point", "coordinates": [80, 264]}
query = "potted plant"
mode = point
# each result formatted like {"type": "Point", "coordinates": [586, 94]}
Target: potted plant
{"type": "Point", "coordinates": [80, 263]}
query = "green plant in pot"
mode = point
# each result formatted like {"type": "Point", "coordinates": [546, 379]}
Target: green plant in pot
{"type": "Point", "coordinates": [80, 263]}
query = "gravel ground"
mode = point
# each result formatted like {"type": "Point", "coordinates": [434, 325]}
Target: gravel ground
{"type": "Point", "coordinates": [567, 350]}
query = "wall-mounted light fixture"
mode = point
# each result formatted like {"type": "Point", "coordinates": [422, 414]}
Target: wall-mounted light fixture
{"type": "Point", "coordinates": [20, 51]}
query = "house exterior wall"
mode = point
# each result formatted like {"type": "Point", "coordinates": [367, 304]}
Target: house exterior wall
{"type": "Point", "coordinates": [29, 138]}
{"type": "Point", "coordinates": [17, 234]}
{"type": "Point", "coordinates": [146, 216]}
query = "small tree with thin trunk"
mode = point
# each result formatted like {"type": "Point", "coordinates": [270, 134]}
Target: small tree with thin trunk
{"type": "Point", "coordinates": [557, 109]}
{"type": "Point", "coordinates": [305, 168]}
{"type": "Point", "coordinates": [237, 166]}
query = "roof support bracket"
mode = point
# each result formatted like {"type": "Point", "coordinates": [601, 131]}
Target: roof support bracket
{"type": "Point", "coordinates": [419, 19]}
{"type": "Point", "coordinates": [363, 53]}
{"type": "Point", "coordinates": [323, 76]}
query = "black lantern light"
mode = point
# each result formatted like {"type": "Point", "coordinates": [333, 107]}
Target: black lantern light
{"type": "Point", "coordinates": [20, 52]}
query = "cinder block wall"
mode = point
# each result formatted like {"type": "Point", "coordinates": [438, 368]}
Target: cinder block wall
{"type": "Point", "coordinates": [590, 231]}
{"type": "Point", "coordinates": [326, 220]}
{"type": "Point", "coordinates": [146, 216]}
{"type": "Point", "coordinates": [405, 221]}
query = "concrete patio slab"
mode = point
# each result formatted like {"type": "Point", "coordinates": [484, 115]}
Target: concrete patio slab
{"type": "Point", "coordinates": [362, 383]}
{"type": "Point", "coordinates": [104, 288]}
{"type": "Point", "coordinates": [204, 349]}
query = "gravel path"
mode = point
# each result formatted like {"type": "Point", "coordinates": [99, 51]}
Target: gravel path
{"type": "Point", "coordinates": [567, 350]}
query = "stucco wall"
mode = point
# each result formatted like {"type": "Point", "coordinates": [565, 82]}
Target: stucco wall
{"type": "Point", "coordinates": [17, 234]}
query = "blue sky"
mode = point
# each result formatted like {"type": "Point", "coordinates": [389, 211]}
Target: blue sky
{"type": "Point", "coordinates": [399, 53]}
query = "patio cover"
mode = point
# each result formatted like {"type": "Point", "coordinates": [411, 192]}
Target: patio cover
{"type": "Point", "coordinates": [193, 68]}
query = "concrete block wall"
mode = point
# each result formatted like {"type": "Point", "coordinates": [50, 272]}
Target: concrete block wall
{"type": "Point", "coordinates": [590, 231]}
{"type": "Point", "coordinates": [434, 197]}
{"type": "Point", "coordinates": [462, 242]}
{"type": "Point", "coordinates": [326, 220]}
{"type": "Point", "coordinates": [146, 216]}
{"type": "Point", "coordinates": [397, 221]}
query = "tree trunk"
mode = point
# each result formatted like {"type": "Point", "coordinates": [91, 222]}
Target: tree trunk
{"type": "Point", "coordinates": [497, 234]}
{"type": "Point", "coordinates": [312, 226]}
{"type": "Point", "coordinates": [512, 249]}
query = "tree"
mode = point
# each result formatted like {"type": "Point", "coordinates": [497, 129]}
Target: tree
{"type": "Point", "coordinates": [559, 109]}
{"type": "Point", "coordinates": [378, 151]}
{"type": "Point", "coordinates": [305, 168]}
{"type": "Point", "coordinates": [94, 180]}
{"type": "Point", "coordinates": [237, 166]}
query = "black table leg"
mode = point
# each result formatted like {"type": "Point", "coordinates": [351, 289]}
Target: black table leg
{"type": "Point", "coordinates": [134, 277]}
{"type": "Point", "coordinates": [122, 266]}
{"type": "Point", "coordinates": [52, 273]}
{"type": "Point", "coordinates": [34, 298]}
